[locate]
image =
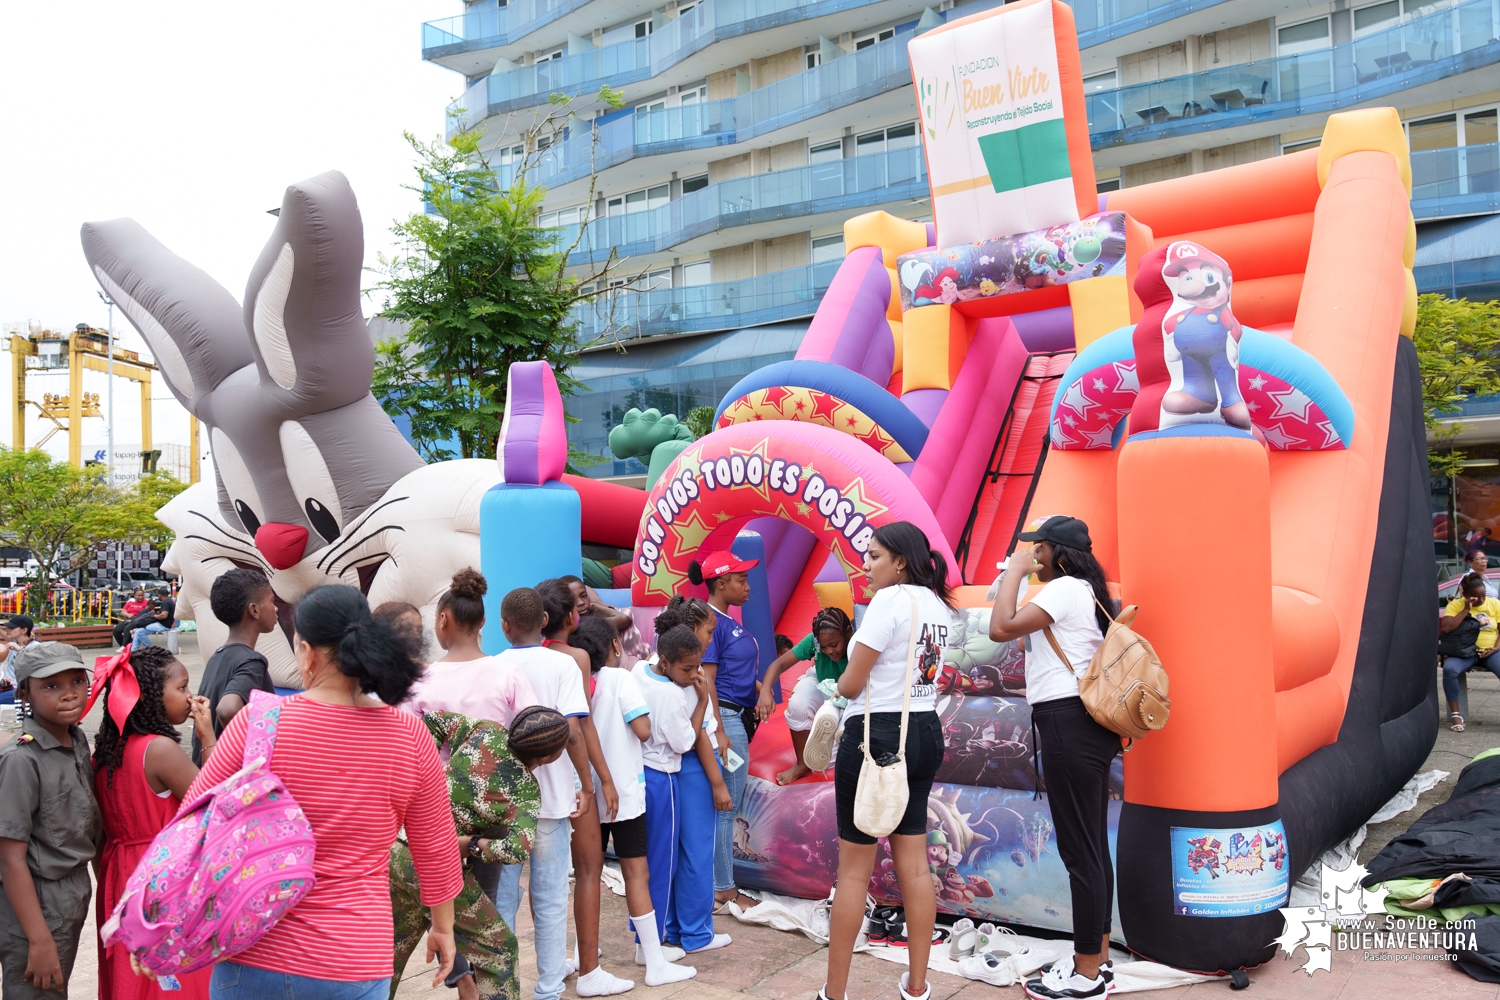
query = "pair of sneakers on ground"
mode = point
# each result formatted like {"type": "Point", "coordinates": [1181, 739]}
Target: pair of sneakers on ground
{"type": "Point", "coordinates": [658, 959]}
{"type": "Point", "coordinates": [981, 951]}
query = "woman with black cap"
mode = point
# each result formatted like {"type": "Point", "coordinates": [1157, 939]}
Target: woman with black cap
{"type": "Point", "coordinates": [1071, 612]}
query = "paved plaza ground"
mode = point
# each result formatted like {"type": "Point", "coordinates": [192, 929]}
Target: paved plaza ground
{"type": "Point", "coordinates": [764, 964]}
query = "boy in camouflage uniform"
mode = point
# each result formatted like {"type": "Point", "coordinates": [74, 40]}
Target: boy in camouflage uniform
{"type": "Point", "coordinates": [495, 803]}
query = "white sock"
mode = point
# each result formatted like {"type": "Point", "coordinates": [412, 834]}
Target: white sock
{"type": "Point", "coordinates": [719, 941]}
{"type": "Point", "coordinates": [671, 953]}
{"type": "Point", "coordinates": [600, 983]}
{"type": "Point", "coordinates": [659, 968]}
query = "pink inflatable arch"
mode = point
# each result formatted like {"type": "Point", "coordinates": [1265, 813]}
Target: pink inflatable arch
{"type": "Point", "coordinates": [830, 483]}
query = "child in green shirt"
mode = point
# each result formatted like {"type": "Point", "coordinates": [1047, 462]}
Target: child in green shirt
{"type": "Point", "coordinates": [813, 710]}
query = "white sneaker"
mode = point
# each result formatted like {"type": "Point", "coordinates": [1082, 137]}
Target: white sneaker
{"type": "Point", "coordinates": [987, 967]}
{"type": "Point", "coordinates": [925, 995]}
{"type": "Point", "coordinates": [1061, 982]}
{"type": "Point", "coordinates": [821, 738]}
{"type": "Point", "coordinates": [670, 953]}
{"type": "Point", "coordinates": [601, 984]}
{"type": "Point", "coordinates": [964, 940]}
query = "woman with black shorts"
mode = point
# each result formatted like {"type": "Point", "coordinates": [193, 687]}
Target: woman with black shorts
{"type": "Point", "coordinates": [1074, 606]}
{"type": "Point", "coordinates": [901, 567]}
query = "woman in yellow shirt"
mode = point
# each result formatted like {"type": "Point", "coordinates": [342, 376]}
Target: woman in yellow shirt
{"type": "Point", "coordinates": [1472, 604]}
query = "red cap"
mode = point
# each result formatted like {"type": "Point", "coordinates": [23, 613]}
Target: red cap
{"type": "Point", "coordinates": [716, 564]}
{"type": "Point", "coordinates": [1183, 254]}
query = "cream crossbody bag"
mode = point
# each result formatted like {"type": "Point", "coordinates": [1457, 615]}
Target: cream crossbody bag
{"type": "Point", "coordinates": [881, 796]}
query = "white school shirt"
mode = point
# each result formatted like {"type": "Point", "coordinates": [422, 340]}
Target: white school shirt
{"type": "Point", "coordinates": [671, 719]}
{"type": "Point", "coordinates": [554, 679]}
{"type": "Point", "coordinates": [886, 628]}
{"type": "Point", "coordinates": [1070, 602]}
{"type": "Point", "coordinates": [617, 701]}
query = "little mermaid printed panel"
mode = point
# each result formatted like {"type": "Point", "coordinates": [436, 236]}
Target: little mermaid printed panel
{"type": "Point", "coordinates": [1090, 248]}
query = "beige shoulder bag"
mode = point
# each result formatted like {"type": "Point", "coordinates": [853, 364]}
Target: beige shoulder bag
{"type": "Point", "coordinates": [882, 794]}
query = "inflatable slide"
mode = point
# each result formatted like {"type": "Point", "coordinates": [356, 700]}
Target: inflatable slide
{"type": "Point", "coordinates": [1216, 373]}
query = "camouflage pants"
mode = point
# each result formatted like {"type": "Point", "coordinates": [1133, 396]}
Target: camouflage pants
{"type": "Point", "coordinates": [483, 937]}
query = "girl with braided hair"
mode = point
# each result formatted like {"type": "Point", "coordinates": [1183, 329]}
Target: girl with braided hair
{"type": "Point", "coordinates": [814, 708]}
{"type": "Point", "coordinates": [140, 778]}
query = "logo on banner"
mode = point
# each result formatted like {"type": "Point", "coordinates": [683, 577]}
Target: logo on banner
{"type": "Point", "coordinates": [1351, 918]}
{"type": "Point", "coordinates": [1236, 872]}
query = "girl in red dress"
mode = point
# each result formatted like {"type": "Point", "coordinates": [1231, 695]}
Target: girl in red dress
{"type": "Point", "coordinates": [139, 780]}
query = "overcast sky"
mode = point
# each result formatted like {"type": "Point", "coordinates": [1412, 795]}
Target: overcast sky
{"type": "Point", "coordinates": [192, 118]}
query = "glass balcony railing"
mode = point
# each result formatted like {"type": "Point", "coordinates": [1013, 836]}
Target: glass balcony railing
{"type": "Point", "coordinates": [641, 58]}
{"type": "Point", "coordinates": [837, 83]}
{"type": "Point", "coordinates": [630, 314]}
{"type": "Point", "coordinates": [1463, 180]}
{"type": "Point", "coordinates": [858, 182]}
{"type": "Point", "coordinates": [488, 29]}
{"type": "Point", "coordinates": [1432, 46]}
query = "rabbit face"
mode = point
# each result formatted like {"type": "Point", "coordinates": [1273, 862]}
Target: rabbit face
{"type": "Point", "coordinates": [301, 448]}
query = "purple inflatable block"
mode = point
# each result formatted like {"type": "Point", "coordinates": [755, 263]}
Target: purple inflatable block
{"type": "Point", "coordinates": [925, 403]}
{"type": "Point", "coordinates": [850, 328]}
{"type": "Point", "coordinates": [533, 445]}
{"type": "Point", "coordinates": [1046, 330]}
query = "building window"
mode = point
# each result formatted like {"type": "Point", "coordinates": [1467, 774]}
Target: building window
{"type": "Point", "coordinates": [1113, 184]}
{"type": "Point", "coordinates": [1300, 145]}
{"type": "Point", "coordinates": [691, 184]}
{"type": "Point", "coordinates": [563, 217]}
{"type": "Point", "coordinates": [1100, 82]}
{"type": "Point", "coordinates": [865, 41]}
{"type": "Point", "coordinates": [878, 141]}
{"type": "Point", "coordinates": [1433, 133]}
{"type": "Point", "coordinates": [826, 152]}
{"type": "Point", "coordinates": [638, 201]}
{"type": "Point", "coordinates": [549, 56]}
{"type": "Point", "coordinates": [696, 273]}
{"type": "Point", "coordinates": [1309, 36]}
{"type": "Point", "coordinates": [814, 58]}
{"type": "Point", "coordinates": [1376, 17]}
{"type": "Point", "coordinates": [826, 248]}
{"type": "Point", "coordinates": [643, 28]}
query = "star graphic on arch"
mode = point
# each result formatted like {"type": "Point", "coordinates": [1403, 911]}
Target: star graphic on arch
{"type": "Point", "coordinates": [1292, 403]}
{"type": "Point", "coordinates": [876, 439]}
{"type": "Point", "coordinates": [721, 517]}
{"type": "Point", "coordinates": [851, 421]}
{"type": "Point", "coordinates": [826, 405]}
{"type": "Point", "coordinates": [801, 405]}
{"type": "Point", "coordinates": [1103, 438]}
{"type": "Point", "coordinates": [1277, 437]}
{"type": "Point", "coordinates": [1252, 407]}
{"type": "Point", "coordinates": [692, 531]}
{"type": "Point", "coordinates": [1076, 400]}
{"type": "Point", "coordinates": [1331, 437]}
{"type": "Point", "coordinates": [1258, 381]}
{"type": "Point", "coordinates": [776, 395]}
{"type": "Point", "coordinates": [803, 509]}
{"type": "Point", "coordinates": [1099, 384]}
{"type": "Point", "coordinates": [1126, 376]}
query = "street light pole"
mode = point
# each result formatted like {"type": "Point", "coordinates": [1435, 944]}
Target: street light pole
{"type": "Point", "coordinates": [109, 419]}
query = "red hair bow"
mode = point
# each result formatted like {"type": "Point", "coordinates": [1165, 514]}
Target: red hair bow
{"type": "Point", "coordinates": [125, 689]}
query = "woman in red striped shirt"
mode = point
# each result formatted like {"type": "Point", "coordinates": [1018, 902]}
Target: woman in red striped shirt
{"type": "Point", "coordinates": [361, 770]}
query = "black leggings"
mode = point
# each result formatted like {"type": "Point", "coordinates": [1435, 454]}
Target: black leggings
{"type": "Point", "coordinates": [1076, 756]}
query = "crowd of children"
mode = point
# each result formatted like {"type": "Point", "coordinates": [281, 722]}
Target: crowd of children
{"type": "Point", "coordinates": [552, 751]}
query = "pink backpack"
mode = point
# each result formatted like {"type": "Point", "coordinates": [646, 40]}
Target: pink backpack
{"type": "Point", "coordinates": [218, 877]}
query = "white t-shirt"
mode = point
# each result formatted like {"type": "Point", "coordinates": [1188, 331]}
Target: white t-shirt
{"type": "Point", "coordinates": [671, 719]}
{"type": "Point", "coordinates": [1070, 602]}
{"type": "Point", "coordinates": [886, 628]}
{"type": "Point", "coordinates": [617, 700]}
{"type": "Point", "coordinates": [555, 680]}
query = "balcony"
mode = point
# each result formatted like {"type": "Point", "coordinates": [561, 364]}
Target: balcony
{"type": "Point", "coordinates": [850, 185]}
{"type": "Point", "coordinates": [727, 305]}
{"type": "Point", "coordinates": [1101, 21]}
{"type": "Point", "coordinates": [639, 59]}
{"type": "Point", "coordinates": [1419, 51]}
{"type": "Point", "coordinates": [1449, 183]}
{"type": "Point", "coordinates": [838, 83]}
{"type": "Point", "coordinates": [477, 31]}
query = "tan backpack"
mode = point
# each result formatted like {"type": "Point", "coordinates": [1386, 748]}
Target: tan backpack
{"type": "Point", "coordinates": [1124, 687]}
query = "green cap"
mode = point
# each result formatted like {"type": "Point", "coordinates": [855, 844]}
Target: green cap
{"type": "Point", "coordinates": [47, 658]}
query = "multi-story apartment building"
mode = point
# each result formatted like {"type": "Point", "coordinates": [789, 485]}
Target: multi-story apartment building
{"type": "Point", "coordinates": [752, 129]}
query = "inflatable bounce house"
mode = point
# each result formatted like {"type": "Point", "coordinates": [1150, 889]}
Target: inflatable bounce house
{"type": "Point", "coordinates": [1214, 372]}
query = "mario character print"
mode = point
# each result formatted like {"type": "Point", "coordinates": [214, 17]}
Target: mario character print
{"type": "Point", "coordinates": [1201, 340]}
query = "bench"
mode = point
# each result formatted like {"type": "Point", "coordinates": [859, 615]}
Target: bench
{"type": "Point", "coordinates": [82, 636]}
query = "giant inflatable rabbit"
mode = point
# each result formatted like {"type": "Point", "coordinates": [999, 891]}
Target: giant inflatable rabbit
{"type": "Point", "coordinates": [315, 484]}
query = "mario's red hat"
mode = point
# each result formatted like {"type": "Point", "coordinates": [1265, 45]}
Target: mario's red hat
{"type": "Point", "coordinates": [717, 564]}
{"type": "Point", "coordinates": [1184, 254]}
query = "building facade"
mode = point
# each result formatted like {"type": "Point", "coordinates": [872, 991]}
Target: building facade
{"type": "Point", "coordinates": [752, 129]}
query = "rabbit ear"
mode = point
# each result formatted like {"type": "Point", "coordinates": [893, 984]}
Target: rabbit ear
{"type": "Point", "coordinates": [302, 300]}
{"type": "Point", "coordinates": [194, 327]}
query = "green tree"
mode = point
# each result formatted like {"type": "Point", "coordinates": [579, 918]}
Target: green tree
{"type": "Point", "coordinates": [700, 420]}
{"type": "Point", "coordinates": [1458, 357]}
{"type": "Point", "coordinates": [479, 283]}
{"type": "Point", "coordinates": [62, 515]}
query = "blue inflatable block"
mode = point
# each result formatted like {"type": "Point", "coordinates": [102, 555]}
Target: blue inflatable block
{"type": "Point", "coordinates": [527, 534]}
{"type": "Point", "coordinates": [755, 614]}
{"type": "Point", "coordinates": [616, 598]}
